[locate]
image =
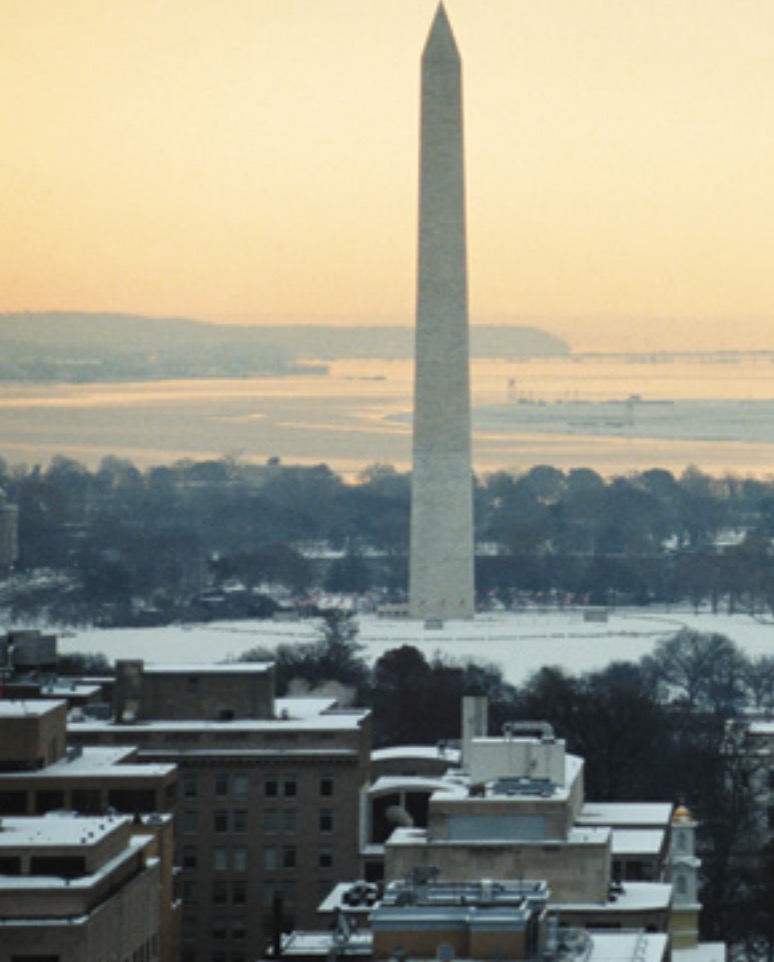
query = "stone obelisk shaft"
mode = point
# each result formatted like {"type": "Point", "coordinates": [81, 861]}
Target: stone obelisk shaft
{"type": "Point", "coordinates": [441, 562]}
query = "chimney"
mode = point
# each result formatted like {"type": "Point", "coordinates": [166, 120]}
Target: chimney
{"type": "Point", "coordinates": [475, 723]}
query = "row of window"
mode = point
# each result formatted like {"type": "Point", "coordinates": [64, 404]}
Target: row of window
{"type": "Point", "coordinates": [237, 786]}
{"type": "Point", "coordinates": [191, 956]}
{"type": "Point", "coordinates": [223, 859]}
{"type": "Point", "coordinates": [222, 928]}
{"type": "Point", "coordinates": [273, 858]}
{"type": "Point", "coordinates": [274, 821]}
{"type": "Point", "coordinates": [223, 893]}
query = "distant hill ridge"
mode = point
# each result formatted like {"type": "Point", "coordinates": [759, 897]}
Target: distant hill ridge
{"type": "Point", "coordinates": [87, 347]}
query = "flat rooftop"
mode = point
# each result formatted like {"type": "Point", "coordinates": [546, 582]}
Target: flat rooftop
{"type": "Point", "coordinates": [638, 841]}
{"type": "Point", "coordinates": [334, 722]}
{"type": "Point", "coordinates": [584, 835]}
{"type": "Point", "coordinates": [615, 946]}
{"type": "Point", "coordinates": [416, 783]}
{"type": "Point", "coordinates": [633, 897]}
{"type": "Point", "coordinates": [57, 830]}
{"type": "Point", "coordinates": [28, 707]}
{"type": "Point", "coordinates": [627, 814]}
{"type": "Point", "coordinates": [208, 668]}
{"type": "Point", "coordinates": [424, 752]}
{"type": "Point", "coordinates": [105, 761]}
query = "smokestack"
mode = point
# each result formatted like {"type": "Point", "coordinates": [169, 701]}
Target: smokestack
{"type": "Point", "coordinates": [475, 723]}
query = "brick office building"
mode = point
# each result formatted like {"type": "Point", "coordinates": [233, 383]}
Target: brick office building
{"type": "Point", "coordinates": [270, 794]}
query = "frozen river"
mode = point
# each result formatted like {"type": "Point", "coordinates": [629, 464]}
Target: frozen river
{"type": "Point", "coordinates": [611, 414]}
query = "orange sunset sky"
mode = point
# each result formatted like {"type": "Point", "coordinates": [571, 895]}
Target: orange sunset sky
{"type": "Point", "coordinates": [257, 159]}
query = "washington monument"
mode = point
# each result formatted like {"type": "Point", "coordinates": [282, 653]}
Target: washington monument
{"type": "Point", "coordinates": [441, 561]}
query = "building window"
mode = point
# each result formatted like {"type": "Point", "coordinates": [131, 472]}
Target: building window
{"type": "Point", "coordinates": [239, 785]}
{"type": "Point", "coordinates": [270, 858]}
{"type": "Point", "coordinates": [220, 821]}
{"type": "Point", "coordinates": [239, 892]}
{"type": "Point", "coordinates": [221, 786]}
{"type": "Point", "coordinates": [189, 856]}
{"type": "Point", "coordinates": [219, 928]}
{"type": "Point", "coordinates": [326, 786]}
{"type": "Point", "coordinates": [88, 801]}
{"type": "Point", "coordinates": [237, 928]}
{"type": "Point", "coordinates": [289, 786]}
{"type": "Point", "coordinates": [189, 823]}
{"type": "Point", "coordinates": [240, 859]}
{"type": "Point", "coordinates": [289, 818]}
{"type": "Point", "coordinates": [189, 786]}
{"type": "Point", "coordinates": [289, 856]}
{"type": "Point", "coordinates": [188, 925]}
{"type": "Point", "coordinates": [240, 821]}
{"type": "Point", "coordinates": [219, 892]}
{"type": "Point", "coordinates": [220, 859]}
{"type": "Point", "coordinates": [13, 803]}
{"type": "Point", "coordinates": [325, 858]}
{"type": "Point", "coordinates": [326, 820]}
{"type": "Point", "coordinates": [270, 821]}
{"type": "Point", "coordinates": [193, 684]}
{"type": "Point", "coordinates": [189, 892]}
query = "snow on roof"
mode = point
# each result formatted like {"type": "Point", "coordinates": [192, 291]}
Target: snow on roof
{"type": "Point", "coordinates": [67, 689]}
{"type": "Point", "coordinates": [576, 836]}
{"type": "Point", "coordinates": [209, 668]}
{"type": "Point", "coordinates": [28, 708]}
{"type": "Point", "coordinates": [270, 753]}
{"type": "Point", "coordinates": [703, 952]}
{"type": "Point", "coordinates": [434, 752]}
{"type": "Point", "coordinates": [637, 841]}
{"type": "Point", "coordinates": [57, 830]}
{"type": "Point", "coordinates": [54, 883]}
{"type": "Point", "coordinates": [304, 707]}
{"type": "Point", "coordinates": [585, 836]}
{"type": "Point", "coordinates": [334, 721]}
{"type": "Point", "coordinates": [626, 814]}
{"type": "Point", "coordinates": [635, 896]}
{"type": "Point", "coordinates": [615, 946]}
{"type": "Point", "coordinates": [417, 783]}
{"type": "Point", "coordinates": [105, 761]}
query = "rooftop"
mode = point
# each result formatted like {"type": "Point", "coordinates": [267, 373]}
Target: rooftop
{"type": "Point", "coordinates": [626, 814]}
{"type": "Point", "coordinates": [28, 708]}
{"type": "Point", "coordinates": [208, 668]}
{"type": "Point", "coordinates": [60, 829]}
{"type": "Point", "coordinates": [107, 762]}
{"type": "Point", "coordinates": [324, 721]}
{"type": "Point", "coordinates": [632, 896]}
{"type": "Point", "coordinates": [637, 841]}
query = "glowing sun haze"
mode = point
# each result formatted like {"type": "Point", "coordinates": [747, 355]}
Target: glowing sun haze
{"type": "Point", "coordinates": [258, 159]}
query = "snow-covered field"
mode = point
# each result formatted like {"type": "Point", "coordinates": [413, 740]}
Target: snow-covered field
{"type": "Point", "coordinates": [519, 643]}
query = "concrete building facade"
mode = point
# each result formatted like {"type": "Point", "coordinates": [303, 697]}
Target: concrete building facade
{"type": "Point", "coordinates": [517, 809]}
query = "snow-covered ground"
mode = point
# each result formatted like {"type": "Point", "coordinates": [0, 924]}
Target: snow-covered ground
{"type": "Point", "coordinates": [519, 643]}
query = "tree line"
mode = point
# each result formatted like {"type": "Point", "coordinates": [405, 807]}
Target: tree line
{"type": "Point", "coordinates": [161, 537]}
